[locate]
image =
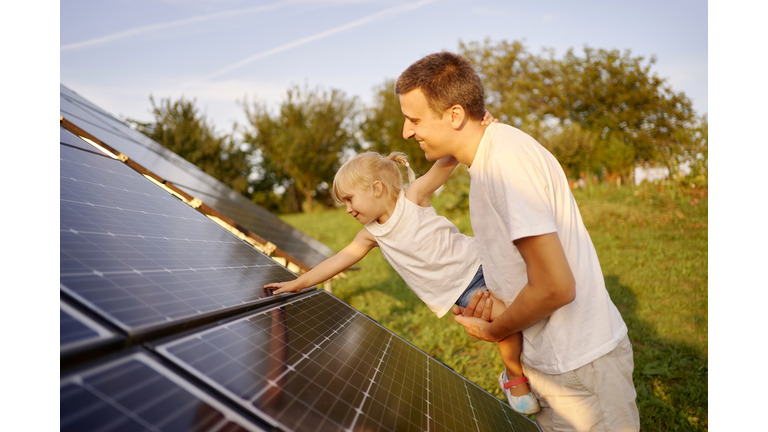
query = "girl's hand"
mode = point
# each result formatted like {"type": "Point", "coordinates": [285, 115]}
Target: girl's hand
{"type": "Point", "coordinates": [488, 119]}
{"type": "Point", "coordinates": [282, 287]}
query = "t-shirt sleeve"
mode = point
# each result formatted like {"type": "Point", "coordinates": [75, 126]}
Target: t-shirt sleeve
{"type": "Point", "coordinates": [521, 195]}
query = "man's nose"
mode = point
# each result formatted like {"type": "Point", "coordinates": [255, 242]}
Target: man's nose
{"type": "Point", "coordinates": [408, 132]}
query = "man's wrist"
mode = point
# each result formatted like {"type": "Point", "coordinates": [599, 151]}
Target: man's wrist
{"type": "Point", "coordinates": [492, 332]}
{"type": "Point", "coordinates": [497, 331]}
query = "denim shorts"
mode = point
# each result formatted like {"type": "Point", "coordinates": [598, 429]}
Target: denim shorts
{"type": "Point", "coordinates": [477, 283]}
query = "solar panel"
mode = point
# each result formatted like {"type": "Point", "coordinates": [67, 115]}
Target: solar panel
{"type": "Point", "coordinates": [316, 364]}
{"type": "Point", "coordinates": [190, 179]}
{"type": "Point", "coordinates": [77, 331]}
{"type": "Point", "coordinates": [136, 393]}
{"type": "Point", "coordinates": [141, 257]}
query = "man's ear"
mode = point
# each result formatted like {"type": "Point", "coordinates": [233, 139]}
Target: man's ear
{"type": "Point", "coordinates": [458, 117]}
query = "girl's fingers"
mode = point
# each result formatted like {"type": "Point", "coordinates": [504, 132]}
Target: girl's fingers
{"type": "Point", "coordinates": [470, 309]}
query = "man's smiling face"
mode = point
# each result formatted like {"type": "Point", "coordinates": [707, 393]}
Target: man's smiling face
{"type": "Point", "coordinates": [420, 123]}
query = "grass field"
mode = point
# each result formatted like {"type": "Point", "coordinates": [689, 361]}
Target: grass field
{"type": "Point", "coordinates": [652, 245]}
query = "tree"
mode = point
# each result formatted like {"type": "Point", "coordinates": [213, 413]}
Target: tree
{"type": "Point", "coordinates": [304, 143]}
{"type": "Point", "coordinates": [382, 128]}
{"type": "Point", "coordinates": [633, 112]}
{"type": "Point", "coordinates": [617, 96]}
{"type": "Point", "coordinates": [180, 128]}
{"type": "Point", "coordinates": [573, 147]}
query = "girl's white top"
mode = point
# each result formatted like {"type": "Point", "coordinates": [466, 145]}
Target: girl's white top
{"type": "Point", "coordinates": [436, 260]}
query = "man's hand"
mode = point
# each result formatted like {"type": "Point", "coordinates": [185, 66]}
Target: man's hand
{"type": "Point", "coordinates": [476, 317]}
{"type": "Point", "coordinates": [477, 328]}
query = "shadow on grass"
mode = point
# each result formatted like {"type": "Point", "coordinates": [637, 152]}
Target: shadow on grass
{"type": "Point", "coordinates": [671, 378]}
{"type": "Point", "coordinates": [390, 284]}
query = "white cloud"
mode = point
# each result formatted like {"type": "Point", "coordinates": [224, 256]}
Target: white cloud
{"type": "Point", "coordinates": [171, 24]}
{"type": "Point", "coordinates": [314, 37]}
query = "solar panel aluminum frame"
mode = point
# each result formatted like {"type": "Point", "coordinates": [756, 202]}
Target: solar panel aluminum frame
{"type": "Point", "coordinates": [141, 333]}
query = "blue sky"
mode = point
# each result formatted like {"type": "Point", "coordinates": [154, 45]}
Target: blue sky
{"type": "Point", "coordinates": [117, 52]}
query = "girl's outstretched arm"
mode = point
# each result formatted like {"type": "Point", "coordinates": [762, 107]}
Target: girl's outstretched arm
{"type": "Point", "coordinates": [354, 252]}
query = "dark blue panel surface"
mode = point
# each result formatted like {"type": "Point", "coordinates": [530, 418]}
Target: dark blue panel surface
{"type": "Point", "coordinates": [77, 331]}
{"type": "Point", "coordinates": [317, 364]}
{"type": "Point", "coordinates": [142, 258]}
{"type": "Point", "coordinates": [136, 393]}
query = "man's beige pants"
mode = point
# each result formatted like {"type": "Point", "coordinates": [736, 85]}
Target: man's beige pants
{"type": "Point", "coordinates": [599, 396]}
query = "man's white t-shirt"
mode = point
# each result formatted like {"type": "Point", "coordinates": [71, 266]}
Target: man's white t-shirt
{"type": "Point", "coordinates": [518, 189]}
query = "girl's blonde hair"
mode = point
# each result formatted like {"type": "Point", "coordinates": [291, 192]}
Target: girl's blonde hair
{"type": "Point", "coordinates": [362, 170]}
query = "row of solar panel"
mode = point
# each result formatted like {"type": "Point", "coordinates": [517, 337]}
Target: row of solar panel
{"type": "Point", "coordinates": [189, 178]}
{"type": "Point", "coordinates": [164, 326]}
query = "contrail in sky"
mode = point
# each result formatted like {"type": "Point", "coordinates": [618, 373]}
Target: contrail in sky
{"type": "Point", "coordinates": [314, 37]}
{"type": "Point", "coordinates": [167, 25]}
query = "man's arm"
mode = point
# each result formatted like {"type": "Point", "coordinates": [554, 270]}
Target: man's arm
{"type": "Point", "coordinates": [550, 286]}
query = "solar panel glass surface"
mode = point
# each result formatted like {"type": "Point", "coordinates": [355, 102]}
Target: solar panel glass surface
{"type": "Point", "coordinates": [317, 364]}
{"type": "Point", "coordinates": [141, 257]}
{"type": "Point", "coordinates": [77, 331]}
{"type": "Point", "coordinates": [136, 393]}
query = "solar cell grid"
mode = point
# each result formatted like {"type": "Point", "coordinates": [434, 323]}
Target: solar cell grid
{"type": "Point", "coordinates": [136, 393]}
{"type": "Point", "coordinates": [315, 363]}
{"type": "Point", "coordinates": [143, 258]}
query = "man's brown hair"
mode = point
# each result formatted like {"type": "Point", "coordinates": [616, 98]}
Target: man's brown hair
{"type": "Point", "coordinates": [446, 79]}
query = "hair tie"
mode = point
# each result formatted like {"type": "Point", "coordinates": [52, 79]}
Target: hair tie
{"type": "Point", "coordinates": [407, 165]}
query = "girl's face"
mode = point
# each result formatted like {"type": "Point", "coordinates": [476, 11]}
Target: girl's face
{"type": "Point", "coordinates": [367, 205]}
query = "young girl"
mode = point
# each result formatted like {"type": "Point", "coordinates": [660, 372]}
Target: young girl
{"type": "Point", "coordinates": [441, 265]}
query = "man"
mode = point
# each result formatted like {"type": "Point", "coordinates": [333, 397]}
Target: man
{"type": "Point", "coordinates": [536, 253]}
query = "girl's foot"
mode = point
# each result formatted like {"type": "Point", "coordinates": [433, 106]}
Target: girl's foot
{"type": "Point", "coordinates": [524, 403]}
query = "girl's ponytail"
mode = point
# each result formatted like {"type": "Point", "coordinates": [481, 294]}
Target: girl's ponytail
{"type": "Point", "coordinates": [402, 159]}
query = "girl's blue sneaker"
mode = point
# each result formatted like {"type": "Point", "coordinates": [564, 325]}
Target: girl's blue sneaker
{"type": "Point", "coordinates": [525, 404]}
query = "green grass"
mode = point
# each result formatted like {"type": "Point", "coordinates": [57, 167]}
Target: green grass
{"type": "Point", "coordinates": [652, 244]}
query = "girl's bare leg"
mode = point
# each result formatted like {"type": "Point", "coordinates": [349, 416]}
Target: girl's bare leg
{"type": "Point", "coordinates": [510, 349]}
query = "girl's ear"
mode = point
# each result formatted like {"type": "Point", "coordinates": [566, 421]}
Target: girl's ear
{"type": "Point", "coordinates": [378, 189]}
